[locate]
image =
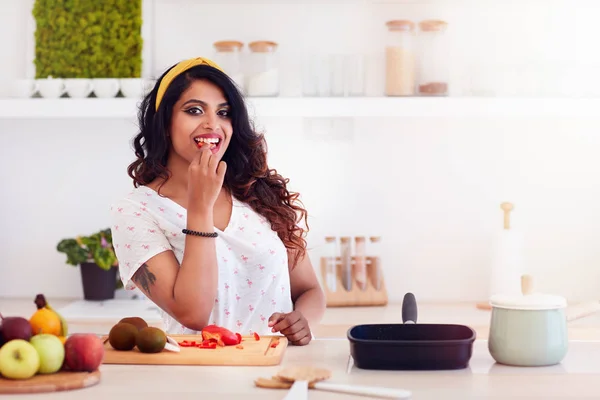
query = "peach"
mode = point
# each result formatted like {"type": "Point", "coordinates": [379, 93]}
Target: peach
{"type": "Point", "coordinates": [83, 352]}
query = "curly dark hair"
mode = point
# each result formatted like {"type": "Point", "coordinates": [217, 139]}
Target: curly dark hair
{"type": "Point", "coordinates": [248, 176]}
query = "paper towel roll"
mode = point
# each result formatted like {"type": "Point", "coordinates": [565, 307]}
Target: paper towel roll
{"type": "Point", "coordinates": [507, 263]}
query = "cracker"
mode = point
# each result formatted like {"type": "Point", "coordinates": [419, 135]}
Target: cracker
{"type": "Point", "coordinates": [272, 383]}
{"type": "Point", "coordinates": [304, 373]}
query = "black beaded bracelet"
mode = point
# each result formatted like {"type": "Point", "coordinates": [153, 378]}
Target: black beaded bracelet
{"type": "Point", "coordinates": [196, 233]}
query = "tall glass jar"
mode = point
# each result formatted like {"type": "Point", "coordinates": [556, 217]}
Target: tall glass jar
{"type": "Point", "coordinates": [375, 268]}
{"type": "Point", "coordinates": [400, 59]}
{"type": "Point", "coordinates": [331, 257]}
{"type": "Point", "coordinates": [433, 59]}
{"type": "Point", "coordinates": [228, 56]}
{"type": "Point", "coordinates": [263, 69]}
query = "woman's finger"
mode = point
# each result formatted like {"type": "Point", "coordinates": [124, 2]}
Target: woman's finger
{"type": "Point", "coordinates": [221, 169]}
{"type": "Point", "coordinates": [205, 156]}
{"type": "Point", "coordinates": [290, 329]}
{"type": "Point", "coordinates": [299, 335]}
{"type": "Point", "coordinates": [196, 159]}
{"type": "Point", "coordinates": [214, 163]}
{"type": "Point", "coordinates": [304, 340]}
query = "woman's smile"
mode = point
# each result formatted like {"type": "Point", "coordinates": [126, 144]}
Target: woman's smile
{"type": "Point", "coordinates": [213, 140]}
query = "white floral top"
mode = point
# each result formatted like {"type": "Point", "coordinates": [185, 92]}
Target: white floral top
{"type": "Point", "coordinates": [253, 274]}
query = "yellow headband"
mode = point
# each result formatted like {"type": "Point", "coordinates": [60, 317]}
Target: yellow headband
{"type": "Point", "coordinates": [178, 69]}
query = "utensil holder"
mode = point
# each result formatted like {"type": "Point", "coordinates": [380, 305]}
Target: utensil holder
{"type": "Point", "coordinates": [355, 297]}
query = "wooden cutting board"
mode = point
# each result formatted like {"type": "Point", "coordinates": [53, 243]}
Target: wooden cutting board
{"type": "Point", "coordinates": [50, 383]}
{"type": "Point", "coordinates": [254, 352]}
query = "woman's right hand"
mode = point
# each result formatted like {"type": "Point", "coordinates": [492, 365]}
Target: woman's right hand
{"type": "Point", "coordinates": [205, 180]}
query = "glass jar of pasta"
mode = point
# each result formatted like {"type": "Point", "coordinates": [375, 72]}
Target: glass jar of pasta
{"type": "Point", "coordinates": [400, 59]}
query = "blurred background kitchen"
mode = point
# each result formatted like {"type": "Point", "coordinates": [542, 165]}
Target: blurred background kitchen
{"type": "Point", "coordinates": [502, 104]}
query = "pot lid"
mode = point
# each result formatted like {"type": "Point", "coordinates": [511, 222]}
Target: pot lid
{"type": "Point", "coordinates": [528, 299]}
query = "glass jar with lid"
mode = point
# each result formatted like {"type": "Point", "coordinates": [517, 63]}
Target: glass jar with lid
{"type": "Point", "coordinates": [228, 56]}
{"type": "Point", "coordinates": [263, 69]}
{"type": "Point", "coordinates": [433, 59]}
{"type": "Point", "coordinates": [400, 59]}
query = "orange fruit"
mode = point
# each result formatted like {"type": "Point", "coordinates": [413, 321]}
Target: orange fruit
{"type": "Point", "coordinates": [45, 321]}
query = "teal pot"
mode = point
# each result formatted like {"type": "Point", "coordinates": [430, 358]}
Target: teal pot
{"type": "Point", "coordinates": [528, 330]}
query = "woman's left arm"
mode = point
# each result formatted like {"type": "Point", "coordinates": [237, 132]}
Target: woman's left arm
{"type": "Point", "coordinates": [307, 294]}
{"type": "Point", "coordinates": [309, 304]}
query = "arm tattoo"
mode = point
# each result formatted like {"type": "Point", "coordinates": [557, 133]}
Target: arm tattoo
{"type": "Point", "coordinates": [145, 278]}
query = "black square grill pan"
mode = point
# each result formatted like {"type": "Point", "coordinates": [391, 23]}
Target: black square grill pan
{"type": "Point", "coordinates": [411, 346]}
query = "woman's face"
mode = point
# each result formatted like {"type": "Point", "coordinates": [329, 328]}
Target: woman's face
{"type": "Point", "coordinates": [200, 118]}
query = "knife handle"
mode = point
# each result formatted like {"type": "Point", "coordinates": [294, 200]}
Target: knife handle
{"type": "Point", "coordinates": [373, 391]}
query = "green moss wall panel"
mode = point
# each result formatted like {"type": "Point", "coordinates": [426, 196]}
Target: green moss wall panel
{"type": "Point", "coordinates": [88, 38]}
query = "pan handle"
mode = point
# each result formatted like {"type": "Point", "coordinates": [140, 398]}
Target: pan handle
{"type": "Point", "coordinates": [409, 309]}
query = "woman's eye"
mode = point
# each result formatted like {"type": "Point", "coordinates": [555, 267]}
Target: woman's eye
{"type": "Point", "coordinates": [223, 113]}
{"type": "Point", "coordinates": [194, 110]}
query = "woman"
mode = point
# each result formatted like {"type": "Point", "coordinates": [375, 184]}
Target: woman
{"type": "Point", "coordinates": [209, 233]}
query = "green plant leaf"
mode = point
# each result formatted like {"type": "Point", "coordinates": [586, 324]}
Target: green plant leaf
{"type": "Point", "coordinates": [104, 257]}
{"type": "Point", "coordinates": [96, 247]}
{"type": "Point", "coordinates": [75, 253]}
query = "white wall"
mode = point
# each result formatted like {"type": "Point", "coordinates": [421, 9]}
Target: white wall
{"type": "Point", "coordinates": [430, 187]}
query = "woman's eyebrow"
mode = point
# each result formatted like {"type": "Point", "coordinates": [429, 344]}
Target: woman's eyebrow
{"type": "Point", "coordinates": [196, 101]}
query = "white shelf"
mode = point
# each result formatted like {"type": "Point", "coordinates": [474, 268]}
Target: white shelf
{"type": "Point", "coordinates": [119, 108]}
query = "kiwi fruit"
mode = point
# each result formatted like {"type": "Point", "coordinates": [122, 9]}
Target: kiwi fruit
{"type": "Point", "coordinates": [135, 321]}
{"type": "Point", "coordinates": [151, 340]}
{"type": "Point", "coordinates": [123, 336]}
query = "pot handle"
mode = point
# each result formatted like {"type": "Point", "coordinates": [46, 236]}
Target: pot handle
{"type": "Point", "coordinates": [409, 309]}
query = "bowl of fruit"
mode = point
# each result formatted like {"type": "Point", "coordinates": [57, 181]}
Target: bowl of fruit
{"type": "Point", "coordinates": [38, 355]}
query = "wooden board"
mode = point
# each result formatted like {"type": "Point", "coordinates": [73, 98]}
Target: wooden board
{"type": "Point", "coordinates": [255, 352]}
{"type": "Point", "coordinates": [50, 383]}
{"type": "Point", "coordinates": [355, 297]}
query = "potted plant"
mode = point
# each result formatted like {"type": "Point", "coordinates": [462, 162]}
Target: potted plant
{"type": "Point", "coordinates": [96, 258]}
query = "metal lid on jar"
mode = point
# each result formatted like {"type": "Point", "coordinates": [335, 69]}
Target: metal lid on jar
{"type": "Point", "coordinates": [528, 299]}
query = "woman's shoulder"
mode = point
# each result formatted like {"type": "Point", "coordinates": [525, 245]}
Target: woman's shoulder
{"type": "Point", "coordinates": [134, 197]}
{"type": "Point", "coordinates": [137, 200]}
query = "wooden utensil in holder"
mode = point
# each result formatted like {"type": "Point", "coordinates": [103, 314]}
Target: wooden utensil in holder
{"type": "Point", "coordinates": [369, 296]}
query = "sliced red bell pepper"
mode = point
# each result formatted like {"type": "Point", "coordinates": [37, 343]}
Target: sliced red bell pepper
{"type": "Point", "coordinates": [239, 337]}
{"type": "Point", "coordinates": [256, 337]}
{"type": "Point", "coordinates": [216, 337]}
{"type": "Point", "coordinates": [224, 335]}
{"type": "Point", "coordinates": [207, 344]}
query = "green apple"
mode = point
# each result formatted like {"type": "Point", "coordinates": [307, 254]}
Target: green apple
{"type": "Point", "coordinates": [51, 352]}
{"type": "Point", "coordinates": [18, 359]}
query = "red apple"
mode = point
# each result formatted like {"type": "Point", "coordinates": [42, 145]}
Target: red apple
{"type": "Point", "coordinates": [83, 352]}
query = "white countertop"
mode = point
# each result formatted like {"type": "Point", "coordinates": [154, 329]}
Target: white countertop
{"type": "Point", "coordinates": [576, 377]}
{"type": "Point", "coordinates": [98, 317]}
{"type": "Point", "coordinates": [579, 372]}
